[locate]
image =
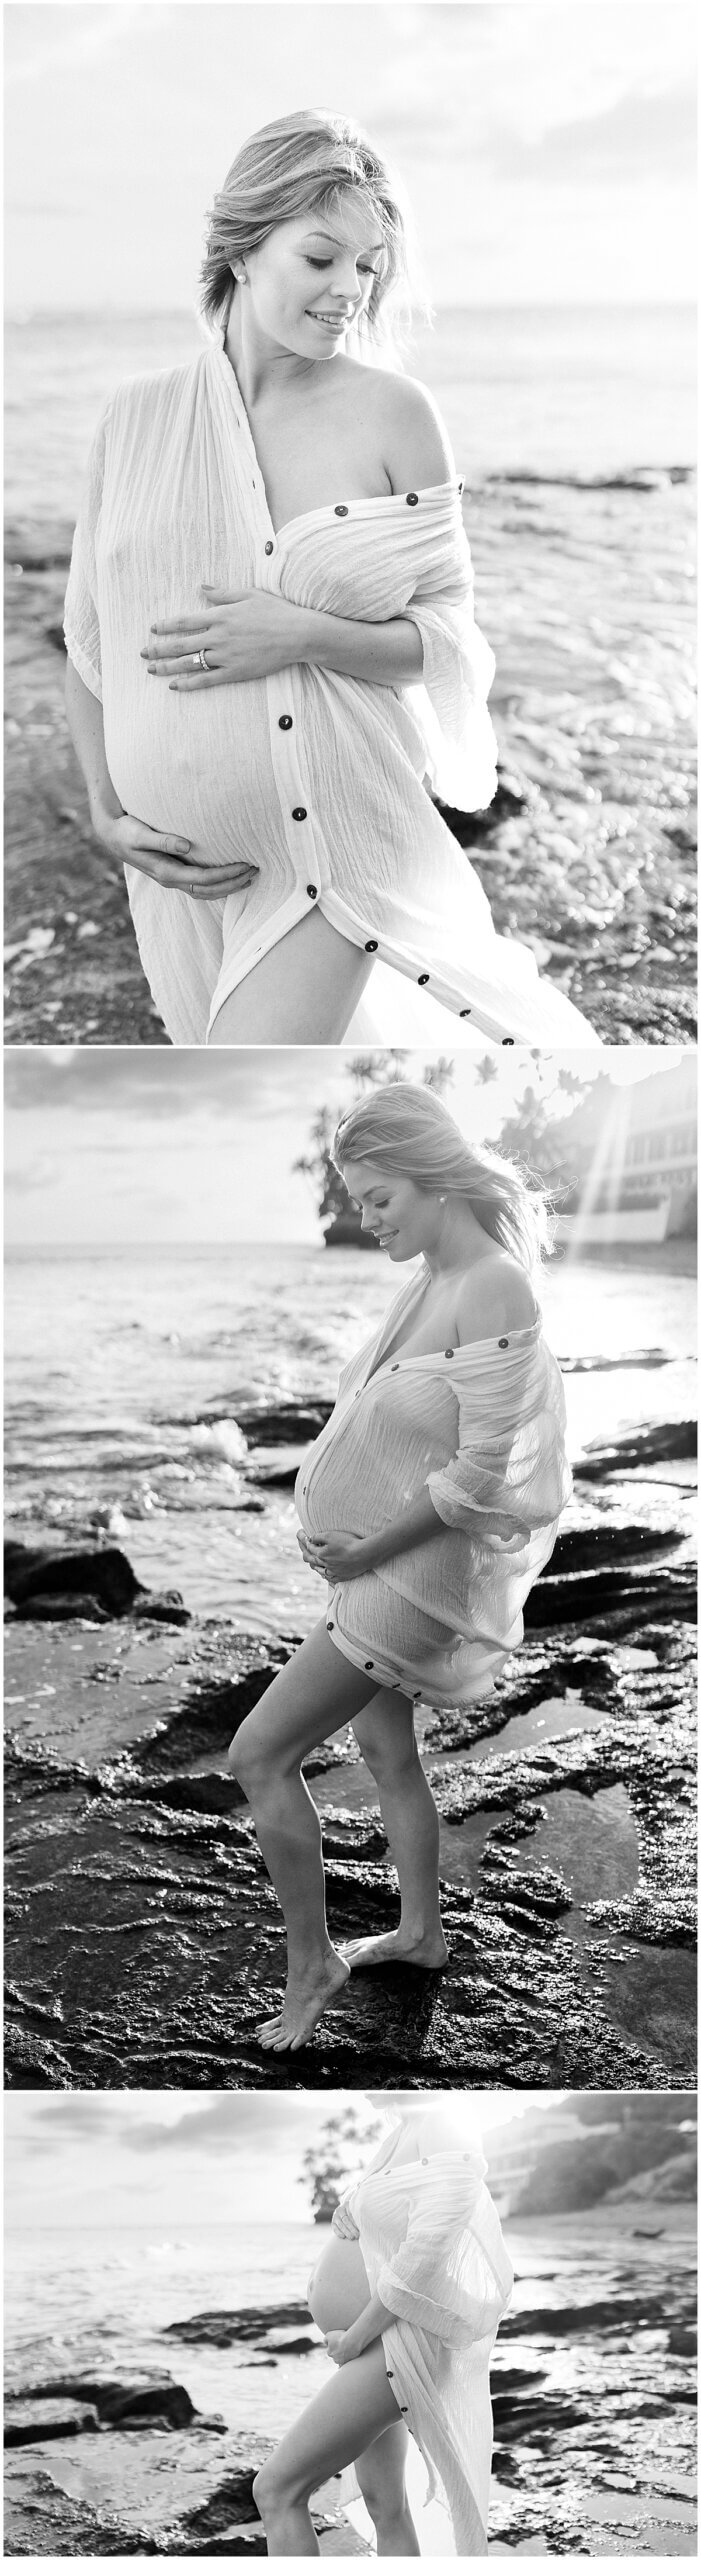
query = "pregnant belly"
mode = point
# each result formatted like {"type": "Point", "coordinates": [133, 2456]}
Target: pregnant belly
{"type": "Point", "coordinates": [205, 781]}
{"type": "Point", "coordinates": [338, 2290]}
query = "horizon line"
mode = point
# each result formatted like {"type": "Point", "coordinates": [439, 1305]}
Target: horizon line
{"type": "Point", "coordinates": [23, 313]}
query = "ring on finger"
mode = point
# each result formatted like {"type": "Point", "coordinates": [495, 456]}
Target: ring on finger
{"type": "Point", "coordinates": [200, 659]}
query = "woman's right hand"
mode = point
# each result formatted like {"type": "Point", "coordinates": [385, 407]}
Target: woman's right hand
{"type": "Point", "coordinates": [165, 858]}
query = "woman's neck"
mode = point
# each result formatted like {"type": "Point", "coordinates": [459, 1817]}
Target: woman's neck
{"type": "Point", "coordinates": [459, 1243]}
{"type": "Point", "coordinates": [261, 366]}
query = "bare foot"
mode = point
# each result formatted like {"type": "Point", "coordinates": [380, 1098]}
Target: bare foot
{"type": "Point", "coordinates": [303, 2005]}
{"type": "Point", "coordinates": [430, 1954]}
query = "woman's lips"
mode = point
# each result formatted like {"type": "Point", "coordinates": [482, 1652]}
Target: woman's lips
{"type": "Point", "coordinates": [328, 320]}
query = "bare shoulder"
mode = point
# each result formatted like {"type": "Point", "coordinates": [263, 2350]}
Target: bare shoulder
{"type": "Point", "coordinates": [415, 448]}
{"type": "Point", "coordinates": [496, 1296]}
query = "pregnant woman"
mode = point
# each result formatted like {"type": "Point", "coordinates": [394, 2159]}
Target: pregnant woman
{"type": "Point", "coordinates": [428, 1505]}
{"type": "Point", "coordinates": [408, 2292]}
{"type": "Point", "coordinates": [271, 642]}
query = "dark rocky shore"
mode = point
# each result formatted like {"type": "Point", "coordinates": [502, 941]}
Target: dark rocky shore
{"type": "Point", "coordinates": [144, 1942]}
{"type": "Point", "coordinates": [73, 970]}
{"type": "Point", "coordinates": [593, 2411]}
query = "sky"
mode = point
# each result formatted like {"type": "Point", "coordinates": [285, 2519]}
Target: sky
{"type": "Point", "coordinates": [85, 2162]}
{"type": "Point", "coordinates": [198, 1146]}
{"type": "Point", "coordinates": [547, 151]}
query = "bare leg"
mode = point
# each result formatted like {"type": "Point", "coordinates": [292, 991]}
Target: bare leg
{"type": "Point", "coordinates": [317, 1691]}
{"type": "Point", "coordinates": [385, 1731]}
{"type": "Point", "coordinates": [352, 2410]}
{"type": "Point", "coordinates": [380, 2474]}
{"type": "Point", "coordinates": [304, 991]}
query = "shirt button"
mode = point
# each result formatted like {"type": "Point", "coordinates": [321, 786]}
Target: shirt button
{"type": "Point", "coordinates": [503, 1341]}
{"type": "Point", "coordinates": [449, 1355]}
{"type": "Point", "coordinates": [285, 722]}
{"type": "Point", "coordinates": [340, 511]}
{"type": "Point", "coordinates": [508, 1044]}
{"type": "Point", "coordinates": [395, 1365]}
{"type": "Point", "coordinates": [268, 549]}
{"type": "Point", "coordinates": [467, 1008]}
{"type": "Point", "coordinates": [412, 500]}
{"type": "Point", "coordinates": [371, 946]}
{"type": "Point", "coordinates": [299, 813]}
{"type": "Point", "coordinates": [423, 982]}
{"type": "Point", "coordinates": [311, 891]}
{"type": "Point", "coordinates": [369, 1666]}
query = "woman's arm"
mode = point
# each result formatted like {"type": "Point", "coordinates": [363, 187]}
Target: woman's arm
{"type": "Point", "coordinates": [343, 1556]}
{"type": "Point", "coordinates": [87, 731]}
{"type": "Point", "coordinates": [376, 652]}
{"type": "Point", "coordinates": [252, 634]}
{"type": "Point", "coordinates": [343, 2345]}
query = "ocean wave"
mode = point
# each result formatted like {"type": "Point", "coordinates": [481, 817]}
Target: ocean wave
{"type": "Point", "coordinates": [642, 477]}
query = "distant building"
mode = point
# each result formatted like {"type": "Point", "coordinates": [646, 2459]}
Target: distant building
{"type": "Point", "coordinates": [635, 1149]}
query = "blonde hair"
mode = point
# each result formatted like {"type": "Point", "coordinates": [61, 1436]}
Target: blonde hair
{"type": "Point", "coordinates": [302, 161]}
{"type": "Point", "coordinates": [406, 1129]}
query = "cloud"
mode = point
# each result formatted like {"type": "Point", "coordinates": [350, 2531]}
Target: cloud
{"type": "Point", "coordinates": [154, 1083]}
{"type": "Point", "coordinates": [258, 2123]}
{"type": "Point", "coordinates": [639, 136]}
{"type": "Point", "coordinates": [238, 2121]}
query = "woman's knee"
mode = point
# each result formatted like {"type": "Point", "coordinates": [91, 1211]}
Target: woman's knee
{"type": "Point", "coordinates": [276, 2485]}
{"type": "Point", "coordinates": [250, 1758]}
{"type": "Point", "coordinates": [389, 1756]}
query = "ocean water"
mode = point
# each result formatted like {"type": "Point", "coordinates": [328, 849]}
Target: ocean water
{"type": "Point", "coordinates": [126, 1373]}
{"type": "Point", "coordinates": [107, 2297]}
{"type": "Point", "coordinates": [554, 392]}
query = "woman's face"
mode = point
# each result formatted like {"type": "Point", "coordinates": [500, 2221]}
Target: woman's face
{"type": "Point", "coordinates": [405, 1219]}
{"type": "Point", "coordinates": [310, 279]}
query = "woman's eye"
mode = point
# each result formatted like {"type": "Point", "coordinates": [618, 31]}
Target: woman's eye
{"type": "Point", "coordinates": [324, 263]}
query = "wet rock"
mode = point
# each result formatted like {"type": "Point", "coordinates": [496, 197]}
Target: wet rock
{"type": "Point", "coordinates": [513, 2415]}
{"type": "Point", "coordinates": [642, 1447]}
{"type": "Point", "coordinates": [267, 1425]}
{"type": "Point", "coordinates": [571, 1598]}
{"type": "Point", "coordinates": [232, 2503]}
{"type": "Point", "coordinates": [528, 1901]}
{"type": "Point", "coordinates": [63, 1582]}
{"type": "Point", "coordinates": [611, 1542]}
{"type": "Point", "coordinates": [42, 2523]}
{"type": "Point", "coordinates": [120, 2400]}
{"type": "Point", "coordinates": [233, 2328]}
{"type": "Point", "coordinates": [28, 2423]}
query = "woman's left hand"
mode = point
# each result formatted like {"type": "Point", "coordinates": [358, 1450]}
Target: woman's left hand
{"type": "Point", "coordinates": [244, 634]}
{"type": "Point", "coordinates": [340, 1558]}
{"type": "Point", "coordinates": [337, 2347]}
